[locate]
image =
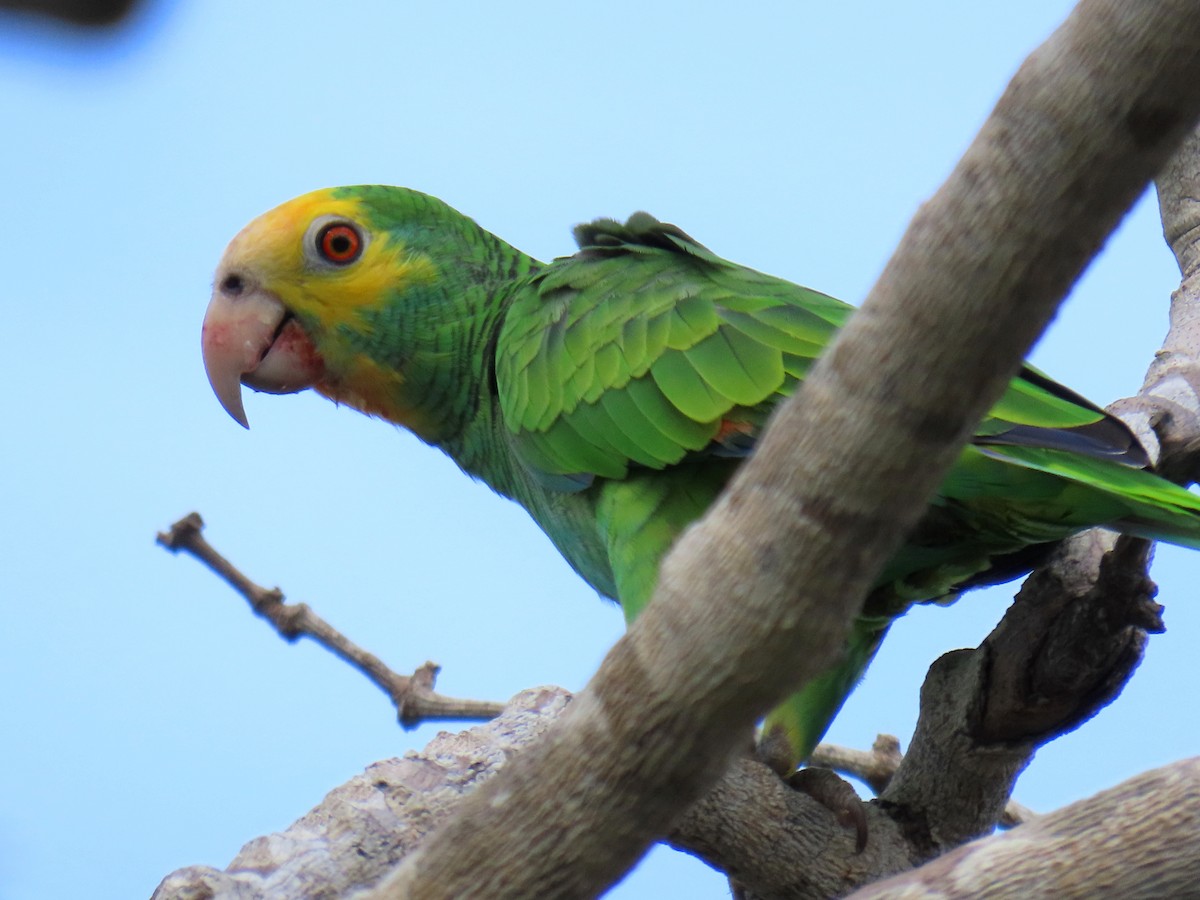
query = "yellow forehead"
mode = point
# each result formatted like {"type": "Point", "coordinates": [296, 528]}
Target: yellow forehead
{"type": "Point", "coordinates": [272, 246]}
{"type": "Point", "coordinates": [277, 235]}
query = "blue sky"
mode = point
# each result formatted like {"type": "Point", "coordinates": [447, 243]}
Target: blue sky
{"type": "Point", "coordinates": [150, 721]}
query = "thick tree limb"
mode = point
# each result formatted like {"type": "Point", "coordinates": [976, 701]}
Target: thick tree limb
{"type": "Point", "coordinates": [1140, 839]}
{"type": "Point", "coordinates": [413, 695]}
{"type": "Point", "coordinates": [364, 826]}
{"type": "Point", "coordinates": [361, 828]}
{"type": "Point", "coordinates": [1173, 379]}
{"type": "Point", "coordinates": [760, 593]}
{"type": "Point", "coordinates": [978, 728]}
{"type": "Point", "coordinates": [1078, 628]}
{"type": "Point", "coordinates": [1060, 654]}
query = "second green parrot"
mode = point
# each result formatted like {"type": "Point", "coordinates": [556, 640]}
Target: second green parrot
{"type": "Point", "coordinates": [612, 393]}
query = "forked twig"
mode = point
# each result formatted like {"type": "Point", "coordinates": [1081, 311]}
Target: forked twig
{"type": "Point", "coordinates": [413, 695]}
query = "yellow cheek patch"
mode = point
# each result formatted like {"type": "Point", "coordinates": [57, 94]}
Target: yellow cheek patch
{"type": "Point", "coordinates": [385, 269]}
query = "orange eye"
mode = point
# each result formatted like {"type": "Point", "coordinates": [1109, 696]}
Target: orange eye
{"type": "Point", "coordinates": [340, 244]}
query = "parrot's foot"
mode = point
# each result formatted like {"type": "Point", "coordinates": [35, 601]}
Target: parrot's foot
{"type": "Point", "coordinates": [836, 795]}
{"type": "Point", "coordinates": [777, 749]}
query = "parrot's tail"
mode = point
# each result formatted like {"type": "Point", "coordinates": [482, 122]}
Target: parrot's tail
{"type": "Point", "coordinates": [1086, 492]}
{"type": "Point", "coordinates": [1138, 502]}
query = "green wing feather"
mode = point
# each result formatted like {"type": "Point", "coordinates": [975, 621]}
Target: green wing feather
{"type": "Point", "coordinates": [635, 351]}
{"type": "Point", "coordinates": [644, 348]}
{"type": "Point", "coordinates": [631, 368]}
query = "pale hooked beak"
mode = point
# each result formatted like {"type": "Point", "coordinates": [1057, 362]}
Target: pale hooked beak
{"type": "Point", "coordinates": [250, 338]}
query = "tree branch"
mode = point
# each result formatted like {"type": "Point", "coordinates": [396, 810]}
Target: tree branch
{"type": "Point", "coordinates": [1062, 652]}
{"type": "Point", "coordinates": [413, 695]}
{"type": "Point", "coordinates": [1166, 411]}
{"type": "Point", "coordinates": [877, 766]}
{"type": "Point", "coordinates": [1140, 839]}
{"type": "Point", "coordinates": [361, 828]}
{"type": "Point", "coordinates": [364, 826]}
{"type": "Point", "coordinates": [980, 723]}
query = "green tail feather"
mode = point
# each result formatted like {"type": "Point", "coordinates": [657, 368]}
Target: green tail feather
{"type": "Point", "coordinates": [793, 729]}
{"type": "Point", "coordinates": [1080, 491]}
{"type": "Point", "coordinates": [1153, 507]}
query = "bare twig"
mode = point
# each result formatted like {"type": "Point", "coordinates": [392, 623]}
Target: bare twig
{"type": "Point", "coordinates": [413, 695]}
{"type": "Point", "coordinates": [1017, 814]}
{"type": "Point", "coordinates": [874, 767]}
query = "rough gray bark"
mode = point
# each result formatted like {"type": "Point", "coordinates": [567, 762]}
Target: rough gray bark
{"type": "Point", "coordinates": [362, 828]}
{"type": "Point", "coordinates": [1169, 401]}
{"type": "Point", "coordinates": [1072, 638]}
{"type": "Point", "coordinates": [1138, 840]}
{"type": "Point", "coordinates": [1065, 648]}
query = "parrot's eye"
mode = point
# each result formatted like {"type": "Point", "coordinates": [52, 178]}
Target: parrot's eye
{"type": "Point", "coordinates": [339, 243]}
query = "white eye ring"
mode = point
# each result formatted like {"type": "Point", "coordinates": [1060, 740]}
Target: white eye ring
{"type": "Point", "coordinates": [334, 241]}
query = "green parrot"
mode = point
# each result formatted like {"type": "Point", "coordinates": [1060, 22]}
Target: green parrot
{"type": "Point", "coordinates": [613, 393]}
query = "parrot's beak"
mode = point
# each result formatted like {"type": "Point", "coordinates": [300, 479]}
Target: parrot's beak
{"type": "Point", "coordinates": [250, 338]}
